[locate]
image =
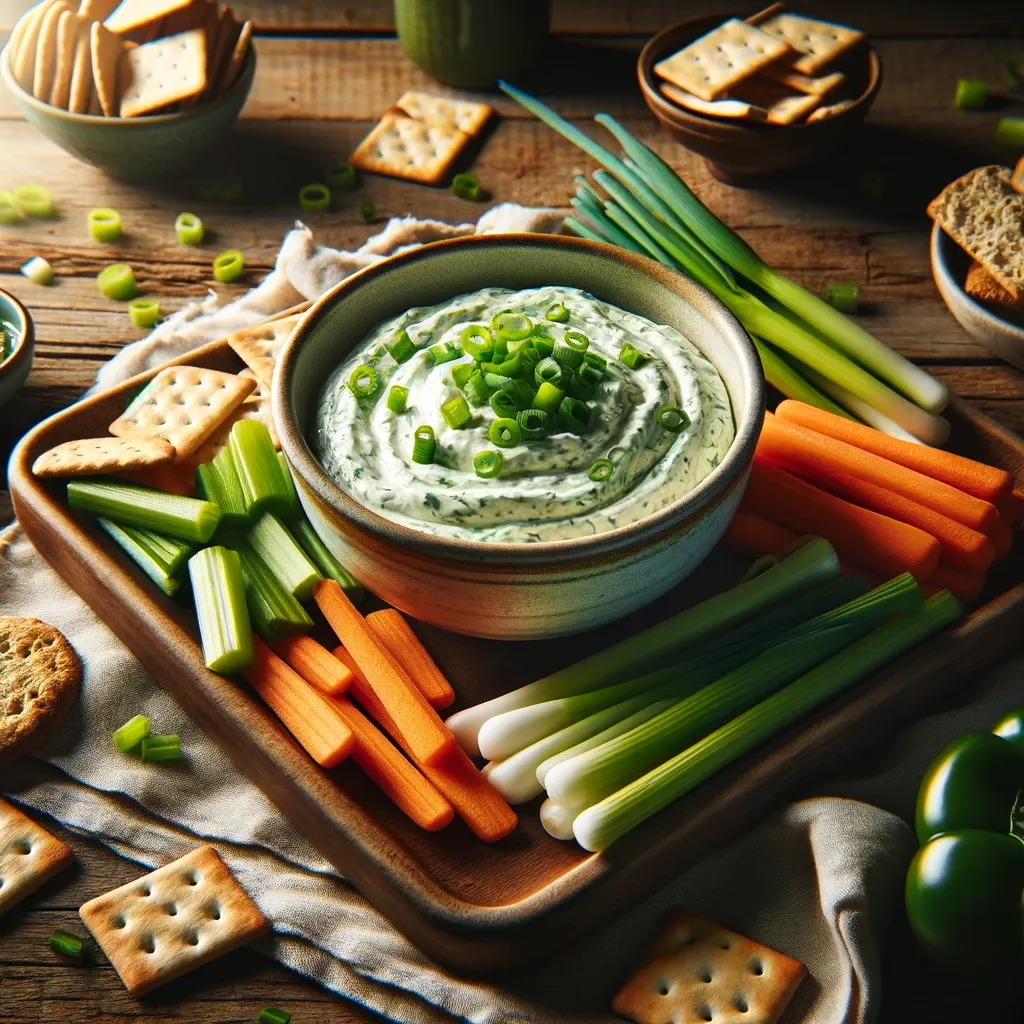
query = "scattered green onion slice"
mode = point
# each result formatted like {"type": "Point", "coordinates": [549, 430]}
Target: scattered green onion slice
{"type": "Point", "coordinates": [632, 357]}
{"type": "Point", "coordinates": [367, 210]}
{"type": "Point", "coordinates": [673, 419]}
{"type": "Point", "coordinates": [548, 372]}
{"type": "Point", "coordinates": [363, 382]}
{"type": "Point", "coordinates": [343, 177]}
{"type": "Point", "coordinates": [496, 381]}
{"type": "Point", "coordinates": [558, 313]}
{"type": "Point", "coordinates": [596, 360]}
{"type": "Point", "coordinates": [589, 376]}
{"type": "Point", "coordinates": [504, 403]}
{"type": "Point", "coordinates": [444, 352]}
{"type": "Point", "coordinates": [8, 210]}
{"type": "Point", "coordinates": [65, 944]}
{"type": "Point", "coordinates": [456, 412]}
{"type": "Point", "coordinates": [104, 224]}
{"type": "Point", "coordinates": [228, 266]}
{"type": "Point", "coordinates": [189, 229]}
{"type": "Point", "coordinates": [33, 200]}
{"type": "Point", "coordinates": [272, 1015]}
{"type": "Point", "coordinates": [510, 367]}
{"type": "Point", "coordinates": [576, 340]}
{"type": "Point", "coordinates": [476, 389]}
{"type": "Point", "coordinates": [843, 297]}
{"type": "Point", "coordinates": [512, 326]}
{"type": "Point", "coordinates": [601, 470]}
{"type": "Point", "coordinates": [477, 341]}
{"type": "Point", "coordinates": [466, 186]}
{"type": "Point", "coordinates": [532, 422]}
{"type": "Point", "coordinates": [315, 197]}
{"type": "Point", "coordinates": [165, 749]}
{"type": "Point", "coordinates": [461, 374]}
{"type": "Point", "coordinates": [131, 734]}
{"type": "Point", "coordinates": [1013, 71]}
{"type": "Point", "coordinates": [397, 397]}
{"type": "Point", "coordinates": [548, 398]}
{"type": "Point", "coordinates": [567, 355]}
{"type": "Point", "coordinates": [543, 345]}
{"type": "Point", "coordinates": [38, 270]}
{"type": "Point", "coordinates": [505, 432]}
{"type": "Point", "coordinates": [575, 415]}
{"type": "Point", "coordinates": [144, 312]}
{"type": "Point", "coordinates": [401, 348]}
{"type": "Point", "coordinates": [1010, 131]}
{"type": "Point", "coordinates": [971, 94]}
{"type": "Point", "coordinates": [424, 446]}
{"type": "Point", "coordinates": [117, 282]}
{"type": "Point", "coordinates": [488, 464]}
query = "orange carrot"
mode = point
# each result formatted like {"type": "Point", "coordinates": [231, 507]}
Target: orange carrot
{"type": "Point", "coordinates": [397, 637]}
{"type": "Point", "coordinates": [307, 714]}
{"type": "Point", "coordinates": [477, 802]}
{"type": "Point", "coordinates": [975, 478]}
{"type": "Point", "coordinates": [427, 736]}
{"type": "Point", "coordinates": [877, 542]}
{"type": "Point", "coordinates": [315, 664]}
{"type": "Point", "coordinates": [749, 534]}
{"type": "Point", "coordinates": [965, 586]}
{"type": "Point", "coordinates": [810, 454]}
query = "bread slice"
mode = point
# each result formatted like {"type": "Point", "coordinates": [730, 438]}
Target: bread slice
{"type": "Point", "coordinates": [984, 214]}
{"type": "Point", "coordinates": [981, 285]}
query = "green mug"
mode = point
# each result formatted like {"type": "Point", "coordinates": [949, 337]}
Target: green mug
{"type": "Point", "coordinates": [473, 43]}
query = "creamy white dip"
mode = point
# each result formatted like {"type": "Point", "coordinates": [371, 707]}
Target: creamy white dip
{"type": "Point", "coordinates": [543, 492]}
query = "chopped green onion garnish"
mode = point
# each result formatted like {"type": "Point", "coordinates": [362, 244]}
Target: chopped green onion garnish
{"type": "Point", "coordinates": [574, 414]}
{"type": "Point", "coordinates": [558, 313]}
{"type": "Point", "coordinates": [117, 282]}
{"type": "Point", "coordinates": [596, 360]}
{"type": "Point", "coordinates": [529, 359]}
{"type": "Point", "coordinates": [488, 464]}
{"type": "Point", "coordinates": [673, 419]}
{"type": "Point", "coordinates": [367, 210]}
{"type": "Point", "coordinates": [33, 200]}
{"type": "Point", "coordinates": [543, 345]}
{"type": "Point", "coordinates": [315, 197]}
{"type": "Point", "coordinates": [512, 326]}
{"type": "Point", "coordinates": [1013, 71]}
{"type": "Point", "coordinates": [134, 505]}
{"type": "Point", "coordinates": [589, 376]}
{"type": "Point", "coordinates": [324, 560]}
{"type": "Point", "coordinates": [9, 213]}
{"type": "Point", "coordinates": [632, 357]}
{"type": "Point", "coordinates": [258, 468]}
{"type": "Point", "coordinates": [548, 398]}
{"type": "Point", "coordinates": [144, 312]}
{"type": "Point", "coordinates": [131, 734]}
{"type": "Point", "coordinates": [343, 177]}
{"type": "Point", "coordinates": [476, 389]}
{"type": "Point", "coordinates": [219, 592]}
{"type": "Point", "coordinates": [400, 347]}
{"type": "Point", "coordinates": [578, 388]}
{"type": "Point", "coordinates": [65, 944]}
{"type": "Point", "coordinates": [477, 341]}
{"type": "Point", "coordinates": [104, 224]}
{"type": "Point", "coordinates": [843, 297]}
{"type": "Point", "coordinates": [424, 445]}
{"type": "Point", "coordinates": [363, 382]}
{"type": "Point", "coordinates": [510, 367]}
{"type": "Point", "coordinates": [548, 371]}
{"type": "Point", "coordinates": [218, 481]}
{"type": "Point", "coordinates": [601, 470]}
{"type": "Point", "coordinates": [576, 340]}
{"type": "Point", "coordinates": [272, 1015]}
{"type": "Point", "coordinates": [167, 748]}
{"type": "Point", "coordinates": [456, 412]}
{"type": "Point", "coordinates": [397, 397]}
{"type": "Point", "coordinates": [189, 229]}
{"type": "Point", "coordinates": [532, 422]}
{"type": "Point", "coordinates": [466, 186]}
{"type": "Point", "coordinates": [38, 270]}
{"type": "Point", "coordinates": [505, 432]}
{"type": "Point", "coordinates": [971, 94]}
{"type": "Point", "coordinates": [1010, 131]}
{"type": "Point", "coordinates": [496, 381]}
{"type": "Point", "coordinates": [444, 353]}
{"type": "Point", "coordinates": [565, 355]}
{"type": "Point", "coordinates": [274, 612]}
{"type": "Point", "coordinates": [228, 266]}
{"type": "Point", "coordinates": [504, 403]}
{"type": "Point", "coordinates": [461, 374]}
{"type": "Point", "coordinates": [294, 509]}
{"type": "Point", "coordinates": [278, 550]}
{"type": "Point", "coordinates": [125, 538]}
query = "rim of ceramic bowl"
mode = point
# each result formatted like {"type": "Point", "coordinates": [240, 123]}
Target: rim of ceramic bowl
{"type": "Point", "coordinates": [648, 85]}
{"type": "Point", "coordinates": [749, 417]}
{"type": "Point", "coordinates": [243, 82]}
{"type": "Point", "coordinates": [26, 333]}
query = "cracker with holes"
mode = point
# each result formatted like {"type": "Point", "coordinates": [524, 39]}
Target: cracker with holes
{"type": "Point", "coordinates": [255, 407]}
{"type": "Point", "coordinates": [93, 455]}
{"type": "Point", "coordinates": [135, 17]}
{"type": "Point", "coordinates": [40, 676]}
{"type": "Point", "coordinates": [163, 72]}
{"type": "Point", "coordinates": [817, 43]}
{"type": "Point", "coordinates": [712, 65]}
{"type": "Point", "coordinates": [698, 971]}
{"type": "Point", "coordinates": [183, 405]}
{"type": "Point", "coordinates": [404, 147]}
{"type": "Point", "coordinates": [466, 116]}
{"type": "Point", "coordinates": [259, 347]}
{"type": "Point", "coordinates": [29, 856]}
{"type": "Point", "coordinates": [173, 920]}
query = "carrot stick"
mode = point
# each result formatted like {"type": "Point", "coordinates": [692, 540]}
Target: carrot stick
{"type": "Point", "coordinates": [475, 800]}
{"type": "Point", "coordinates": [398, 639]}
{"type": "Point", "coordinates": [965, 586]}
{"type": "Point", "coordinates": [809, 454]}
{"type": "Point", "coordinates": [307, 714]}
{"type": "Point", "coordinates": [314, 663]}
{"type": "Point", "coordinates": [880, 544]}
{"type": "Point", "coordinates": [985, 482]}
{"type": "Point", "coordinates": [417, 721]}
{"type": "Point", "coordinates": [749, 534]}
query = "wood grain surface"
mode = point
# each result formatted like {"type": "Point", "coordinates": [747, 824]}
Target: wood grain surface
{"type": "Point", "coordinates": [316, 95]}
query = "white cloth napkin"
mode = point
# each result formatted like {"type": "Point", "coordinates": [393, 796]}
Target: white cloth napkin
{"type": "Point", "coordinates": [818, 881]}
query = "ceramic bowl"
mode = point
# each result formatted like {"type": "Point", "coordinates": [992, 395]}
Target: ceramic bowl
{"type": "Point", "coordinates": [516, 591]}
{"type": "Point", "coordinates": [740, 152]}
{"type": "Point", "coordinates": [136, 149]}
{"type": "Point", "coordinates": [15, 368]}
{"type": "Point", "coordinates": [994, 329]}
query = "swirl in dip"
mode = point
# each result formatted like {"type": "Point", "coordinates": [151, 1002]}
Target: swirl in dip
{"type": "Point", "coordinates": [545, 490]}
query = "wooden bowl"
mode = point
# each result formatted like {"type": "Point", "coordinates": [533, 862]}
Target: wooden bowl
{"type": "Point", "coordinates": [15, 368]}
{"type": "Point", "coordinates": [740, 152]}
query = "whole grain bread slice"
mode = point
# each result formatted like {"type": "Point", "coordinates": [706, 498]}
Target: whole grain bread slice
{"type": "Point", "coordinates": [984, 214]}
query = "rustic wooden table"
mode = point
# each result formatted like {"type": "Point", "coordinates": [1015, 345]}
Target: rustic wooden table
{"type": "Point", "coordinates": [326, 71]}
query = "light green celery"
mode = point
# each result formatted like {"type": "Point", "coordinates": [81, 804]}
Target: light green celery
{"type": "Point", "coordinates": [294, 509]}
{"type": "Point", "coordinates": [131, 734]}
{"type": "Point", "coordinates": [258, 468]}
{"type": "Point", "coordinates": [219, 592]}
{"type": "Point", "coordinates": [274, 612]}
{"type": "Point", "coordinates": [281, 553]}
{"type": "Point", "coordinates": [325, 561]}
{"type": "Point", "coordinates": [132, 505]}
{"type": "Point", "coordinates": [218, 481]}
{"type": "Point", "coordinates": [170, 553]}
{"type": "Point", "coordinates": [140, 556]}
{"type": "Point", "coordinates": [784, 378]}
{"type": "Point", "coordinates": [602, 824]}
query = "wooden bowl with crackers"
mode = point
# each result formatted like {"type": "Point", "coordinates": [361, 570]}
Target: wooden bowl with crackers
{"type": "Point", "coordinates": [140, 88]}
{"type": "Point", "coordinates": [754, 97]}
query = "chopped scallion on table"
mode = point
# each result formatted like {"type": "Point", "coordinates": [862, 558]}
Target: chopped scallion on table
{"type": "Point", "coordinates": [228, 266]}
{"type": "Point", "coordinates": [117, 282]}
{"type": "Point", "coordinates": [342, 177]}
{"type": "Point", "coordinates": [133, 505]}
{"type": "Point", "coordinates": [466, 186]}
{"type": "Point", "coordinates": [189, 229]}
{"type": "Point", "coordinates": [219, 590]}
{"type": "Point", "coordinates": [367, 210]}
{"type": "Point", "coordinates": [144, 312]}
{"type": "Point", "coordinates": [65, 944]}
{"type": "Point", "coordinates": [843, 297]}
{"type": "Point", "coordinates": [105, 224]}
{"type": "Point", "coordinates": [33, 200]}
{"type": "Point", "coordinates": [165, 749]}
{"type": "Point", "coordinates": [9, 213]}
{"type": "Point", "coordinates": [971, 94]}
{"type": "Point", "coordinates": [424, 445]}
{"type": "Point", "coordinates": [38, 270]}
{"type": "Point", "coordinates": [315, 197]}
{"type": "Point", "coordinates": [1010, 131]}
{"type": "Point", "coordinates": [272, 1015]}
{"type": "Point", "coordinates": [131, 734]}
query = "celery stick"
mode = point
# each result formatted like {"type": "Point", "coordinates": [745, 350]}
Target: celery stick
{"type": "Point", "coordinates": [169, 553]}
{"type": "Point", "coordinates": [218, 481]}
{"type": "Point", "coordinates": [259, 470]}
{"type": "Point", "coordinates": [294, 510]}
{"type": "Point", "coordinates": [277, 548]}
{"type": "Point", "coordinates": [219, 591]}
{"type": "Point", "coordinates": [131, 734]}
{"type": "Point", "coordinates": [141, 556]}
{"type": "Point", "coordinates": [133, 505]}
{"type": "Point", "coordinates": [274, 612]}
{"type": "Point", "coordinates": [325, 561]}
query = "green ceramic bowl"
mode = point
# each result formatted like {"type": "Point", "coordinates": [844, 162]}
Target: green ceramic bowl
{"type": "Point", "coordinates": [137, 149]}
{"type": "Point", "coordinates": [15, 368]}
{"type": "Point", "coordinates": [516, 591]}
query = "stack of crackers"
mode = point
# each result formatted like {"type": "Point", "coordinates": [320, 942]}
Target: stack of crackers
{"type": "Point", "coordinates": [776, 68]}
{"type": "Point", "coordinates": [127, 58]}
{"type": "Point", "coordinates": [984, 213]}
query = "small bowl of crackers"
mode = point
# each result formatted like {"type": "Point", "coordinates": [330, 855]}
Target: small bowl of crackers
{"type": "Point", "coordinates": [138, 88]}
{"type": "Point", "coordinates": [17, 346]}
{"type": "Point", "coordinates": [760, 95]}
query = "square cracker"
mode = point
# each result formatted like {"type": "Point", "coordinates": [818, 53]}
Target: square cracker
{"type": "Point", "coordinates": [255, 407]}
{"type": "Point", "coordinates": [46, 51]}
{"type": "Point", "coordinates": [783, 105]}
{"type": "Point", "coordinates": [173, 920]}
{"type": "Point", "coordinates": [67, 41]}
{"type": "Point", "coordinates": [92, 455]}
{"type": "Point", "coordinates": [710, 66]}
{"type": "Point", "coordinates": [106, 49]}
{"type": "Point", "coordinates": [813, 85]}
{"type": "Point", "coordinates": [29, 856]}
{"type": "Point", "coordinates": [467, 117]}
{"type": "Point", "coordinates": [698, 971]}
{"type": "Point", "coordinates": [163, 72]}
{"type": "Point", "coordinates": [133, 15]}
{"type": "Point", "coordinates": [714, 108]}
{"type": "Point", "coordinates": [259, 347]}
{"type": "Point", "coordinates": [818, 42]}
{"type": "Point", "coordinates": [81, 72]}
{"type": "Point", "coordinates": [414, 150]}
{"type": "Point", "coordinates": [183, 405]}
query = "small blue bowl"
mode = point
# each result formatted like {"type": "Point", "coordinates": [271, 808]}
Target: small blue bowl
{"type": "Point", "coordinates": [15, 368]}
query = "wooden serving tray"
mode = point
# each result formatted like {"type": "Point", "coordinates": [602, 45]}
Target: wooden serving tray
{"type": "Point", "coordinates": [474, 907]}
